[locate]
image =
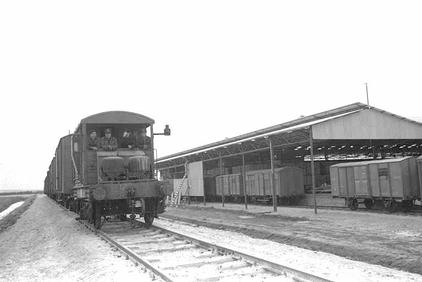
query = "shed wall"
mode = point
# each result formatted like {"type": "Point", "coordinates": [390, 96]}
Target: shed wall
{"type": "Point", "coordinates": [367, 124]}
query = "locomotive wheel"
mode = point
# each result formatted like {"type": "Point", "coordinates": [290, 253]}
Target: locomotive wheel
{"type": "Point", "coordinates": [407, 205]}
{"type": "Point", "coordinates": [390, 206]}
{"type": "Point", "coordinates": [149, 219]}
{"type": "Point", "coordinates": [89, 213]}
{"type": "Point", "coordinates": [353, 204]}
{"type": "Point", "coordinates": [369, 203]}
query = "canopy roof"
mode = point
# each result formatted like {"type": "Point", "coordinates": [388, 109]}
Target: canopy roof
{"type": "Point", "coordinates": [352, 123]}
{"type": "Point", "coordinates": [117, 117]}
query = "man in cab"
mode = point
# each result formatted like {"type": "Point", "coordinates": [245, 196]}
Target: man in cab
{"type": "Point", "coordinates": [142, 141]}
{"type": "Point", "coordinates": [108, 142]}
{"type": "Point", "coordinates": [93, 141]}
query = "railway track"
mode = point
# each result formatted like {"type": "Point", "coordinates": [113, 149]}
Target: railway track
{"type": "Point", "coordinates": [172, 256]}
{"type": "Point", "coordinates": [417, 211]}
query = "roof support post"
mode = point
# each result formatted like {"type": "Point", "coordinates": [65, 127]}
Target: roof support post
{"type": "Point", "coordinates": [220, 165]}
{"type": "Point", "coordinates": [272, 182]}
{"type": "Point", "coordinates": [203, 186]}
{"type": "Point", "coordinates": [244, 181]}
{"type": "Point", "coordinates": [311, 145]}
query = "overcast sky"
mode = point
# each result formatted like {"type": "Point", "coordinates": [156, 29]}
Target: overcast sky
{"type": "Point", "coordinates": [210, 69]}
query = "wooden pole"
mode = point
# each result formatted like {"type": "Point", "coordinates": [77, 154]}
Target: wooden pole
{"type": "Point", "coordinates": [272, 182]}
{"type": "Point", "coordinates": [244, 181]}
{"type": "Point", "coordinates": [311, 144]}
{"type": "Point", "coordinates": [221, 179]}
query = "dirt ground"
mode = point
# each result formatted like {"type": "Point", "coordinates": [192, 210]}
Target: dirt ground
{"type": "Point", "coordinates": [325, 265]}
{"type": "Point", "coordinates": [393, 241]}
{"type": "Point", "coordinates": [48, 244]}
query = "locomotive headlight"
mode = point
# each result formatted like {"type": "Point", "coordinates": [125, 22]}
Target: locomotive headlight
{"type": "Point", "coordinates": [167, 130]}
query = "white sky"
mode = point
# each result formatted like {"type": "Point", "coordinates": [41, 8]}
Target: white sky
{"type": "Point", "coordinates": [211, 69]}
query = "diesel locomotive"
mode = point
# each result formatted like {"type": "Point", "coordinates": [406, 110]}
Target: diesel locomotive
{"type": "Point", "coordinates": [99, 182]}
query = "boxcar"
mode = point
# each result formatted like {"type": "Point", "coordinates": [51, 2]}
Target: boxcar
{"type": "Point", "coordinates": [288, 181]}
{"type": "Point", "coordinates": [393, 181]}
{"type": "Point", "coordinates": [65, 175]}
{"type": "Point", "coordinates": [53, 178]}
{"type": "Point", "coordinates": [230, 185]}
{"type": "Point", "coordinates": [419, 164]}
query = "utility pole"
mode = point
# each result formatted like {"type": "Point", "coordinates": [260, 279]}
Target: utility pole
{"type": "Point", "coordinates": [367, 94]}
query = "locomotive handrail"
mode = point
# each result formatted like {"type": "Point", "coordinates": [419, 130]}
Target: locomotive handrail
{"type": "Point", "coordinates": [77, 181]}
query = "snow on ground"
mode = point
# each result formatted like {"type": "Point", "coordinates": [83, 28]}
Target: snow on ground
{"type": "Point", "coordinates": [322, 264]}
{"type": "Point", "coordinates": [11, 208]}
{"type": "Point", "coordinates": [48, 244]}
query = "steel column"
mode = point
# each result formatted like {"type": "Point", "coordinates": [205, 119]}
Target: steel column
{"type": "Point", "coordinates": [311, 144]}
{"type": "Point", "coordinates": [272, 182]}
{"type": "Point", "coordinates": [244, 181]}
{"type": "Point", "coordinates": [220, 164]}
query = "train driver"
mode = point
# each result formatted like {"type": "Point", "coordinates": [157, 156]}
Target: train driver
{"type": "Point", "coordinates": [142, 141]}
{"type": "Point", "coordinates": [127, 140]}
{"type": "Point", "coordinates": [93, 141]}
{"type": "Point", "coordinates": [108, 142]}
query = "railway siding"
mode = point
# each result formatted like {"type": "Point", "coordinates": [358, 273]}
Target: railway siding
{"type": "Point", "coordinates": [375, 238]}
{"type": "Point", "coordinates": [177, 257]}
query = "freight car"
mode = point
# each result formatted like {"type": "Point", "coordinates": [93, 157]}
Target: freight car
{"type": "Point", "coordinates": [419, 163]}
{"type": "Point", "coordinates": [288, 182]}
{"type": "Point", "coordinates": [97, 181]}
{"type": "Point", "coordinates": [391, 182]}
{"type": "Point", "coordinates": [64, 175]}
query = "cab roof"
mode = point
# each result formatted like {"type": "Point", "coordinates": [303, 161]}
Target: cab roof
{"type": "Point", "coordinates": [117, 117]}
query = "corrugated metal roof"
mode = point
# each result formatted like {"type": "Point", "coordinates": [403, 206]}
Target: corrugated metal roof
{"type": "Point", "coordinates": [290, 125]}
{"type": "Point", "coordinates": [352, 164]}
{"type": "Point", "coordinates": [287, 127]}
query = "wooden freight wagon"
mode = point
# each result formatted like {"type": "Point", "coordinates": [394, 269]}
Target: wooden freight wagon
{"type": "Point", "coordinates": [230, 186]}
{"type": "Point", "coordinates": [210, 188]}
{"type": "Point", "coordinates": [288, 181]}
{"type": "Point", "coordinates": [53, 176]}
{"type": "Point", "coordinates": [419, 166]}
{"type": "Point", "coordinates": [64, 171]}
{"type": "Point", "coordinates": [392, 181]}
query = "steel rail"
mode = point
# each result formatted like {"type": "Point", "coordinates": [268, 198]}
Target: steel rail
{"type": "Point", "coordinates": [281, 269]}
{"type": "Point", "coordinates": [119, 246]}
{"type": "Point", "coordinates": [298, 275]}
{"type": "Point", "coordinates": [128, 252]}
